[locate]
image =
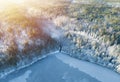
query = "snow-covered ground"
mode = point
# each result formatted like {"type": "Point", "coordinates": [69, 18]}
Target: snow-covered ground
{"type": "Point", "coordinates": [62, 68]}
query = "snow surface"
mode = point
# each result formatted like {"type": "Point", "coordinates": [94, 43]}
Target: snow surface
{"type": "Point", "coordinates": [100, 73]}
{"type": "Point", "coordinates": [23, 77]}
{"type": "Point", "coordinates": [62, 68]}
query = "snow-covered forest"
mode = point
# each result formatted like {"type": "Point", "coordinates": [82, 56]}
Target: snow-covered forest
{"type": "Point", "coordinates": [94, 30]}
{"type": "Point", "coordinates": [86, 30]}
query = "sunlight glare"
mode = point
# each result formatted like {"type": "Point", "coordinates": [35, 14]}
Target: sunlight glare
{"type": "Point", "coordinates": [6, 2]}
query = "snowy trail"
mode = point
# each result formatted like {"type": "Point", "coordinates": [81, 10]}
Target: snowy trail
{"type": "Point", "coordinates": [62, 68]}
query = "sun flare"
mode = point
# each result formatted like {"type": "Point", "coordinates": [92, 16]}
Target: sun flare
{"type": "Point", "coordinates": [8, 3]}
{"type": "Point", "coordinates": [11, 1]}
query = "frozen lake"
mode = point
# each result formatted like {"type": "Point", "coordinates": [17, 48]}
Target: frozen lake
{"type": "Point", "coordinates": [62, 68]}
